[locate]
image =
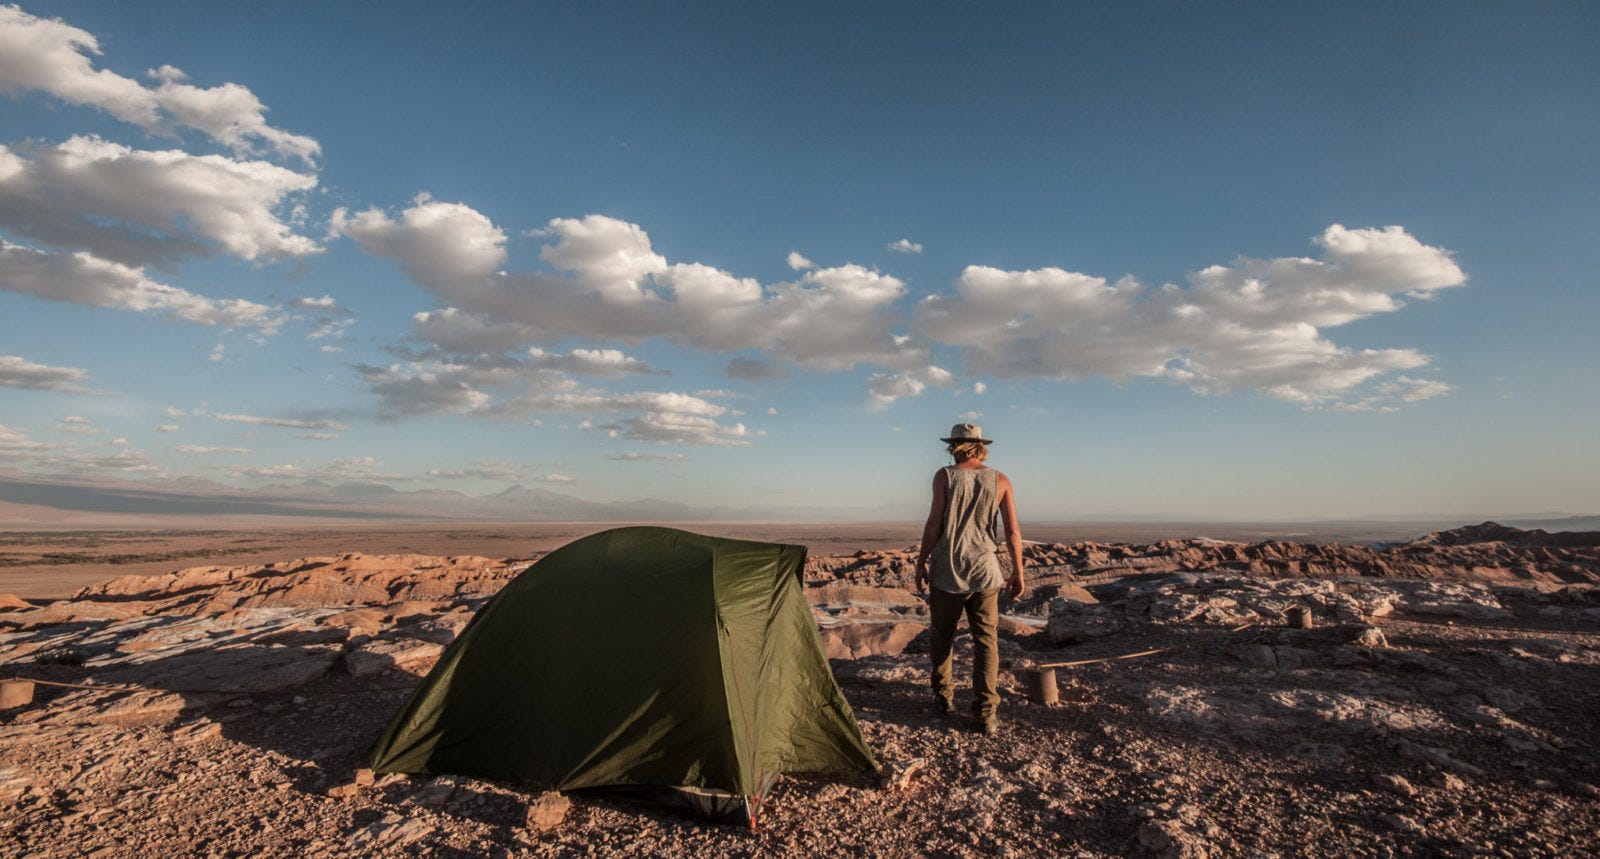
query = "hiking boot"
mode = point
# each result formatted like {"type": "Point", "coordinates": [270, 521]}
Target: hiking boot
{"type": "Point", "coordinates": [989, 725]}
{"type": "Point", "coordinates": [943, 705]}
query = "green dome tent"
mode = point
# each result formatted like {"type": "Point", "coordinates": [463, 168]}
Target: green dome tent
{"type": "Point", "coordinates": [658, 663]}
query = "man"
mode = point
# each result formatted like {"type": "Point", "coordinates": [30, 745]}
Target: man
{"type": "Point", "coordinates": [966, 575]}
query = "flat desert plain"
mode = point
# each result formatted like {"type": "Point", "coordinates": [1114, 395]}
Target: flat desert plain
{"type": "Point", "coordinates": [53, 564]}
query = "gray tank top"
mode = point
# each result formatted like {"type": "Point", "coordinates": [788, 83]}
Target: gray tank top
{"type": "Point", "coordinates": [964, 561]}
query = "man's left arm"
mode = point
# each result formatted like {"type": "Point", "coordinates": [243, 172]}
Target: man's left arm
{"type": "Point", "coordinates": [1008, 511]}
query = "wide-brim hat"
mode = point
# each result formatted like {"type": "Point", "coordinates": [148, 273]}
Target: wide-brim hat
{"type": "Point", "coordinates": [966, 432]}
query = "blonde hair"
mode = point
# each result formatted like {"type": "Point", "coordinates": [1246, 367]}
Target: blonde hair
{"type": "Point", "coordinates": [965, 450]}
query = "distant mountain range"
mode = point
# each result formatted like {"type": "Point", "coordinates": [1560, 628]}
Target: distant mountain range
{"type": "Point", "coordinates": [28, 500]}
{"type": "Point", "coordinates": [36, 501]}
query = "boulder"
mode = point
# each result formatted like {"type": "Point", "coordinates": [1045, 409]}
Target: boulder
{"type": "Point", "coordinates": [1072, 621]}
{"type": "Point", "coordinates": [855, 640]}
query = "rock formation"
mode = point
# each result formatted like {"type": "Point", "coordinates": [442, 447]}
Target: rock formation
{"type": "Point", "coordinates": [1441, 701]}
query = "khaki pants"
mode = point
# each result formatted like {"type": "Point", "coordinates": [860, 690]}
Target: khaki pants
{"type": "Point", "coordinates": [983, 616]}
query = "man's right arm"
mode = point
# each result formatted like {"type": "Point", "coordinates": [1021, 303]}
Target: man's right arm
{"type": "Point", "coordinates": [931, 529]}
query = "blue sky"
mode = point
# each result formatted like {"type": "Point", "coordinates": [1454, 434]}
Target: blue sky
{"type": "Point", "coordinates": [1235, 260]}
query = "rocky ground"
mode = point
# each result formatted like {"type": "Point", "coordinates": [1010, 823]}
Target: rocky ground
{"type": "Point", "coordinates": [1442, 703]}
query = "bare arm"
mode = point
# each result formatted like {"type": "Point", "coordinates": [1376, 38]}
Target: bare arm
{"type": "Point", "coordinates": [1008, 513]}
{"type": "Point", "coordinates": [930, 530]}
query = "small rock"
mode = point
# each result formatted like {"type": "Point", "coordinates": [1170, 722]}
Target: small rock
{"type": "Point", "coordinates": [832, 793]}
{"type": "Point", "coordinates": [1395, 784]}
{"type": "Point", "coordinates": [1401, 823]}
{"type": "Point", "coordinates": [435, 793]}
{"type": "Point", "coordinates": [1259, 655]}
{"type": "Point", "coordinates": [197, 732]}
{"type": "Point", "coordinates": [344, 791]}
{"type": "Point", "coordinates": [1326, 753]}
{"type": "Point", "coordinates": [547, 811]}
{"type": "Point", "coordinates": [13, 784]}
{"type": "Point", "coordinates": [1437, 757]}
{"type": "Point", "coordinates": [1169, 839]}
{"type": "Point", "coordinates": [391, 832]}
{"type": "Point", "coordinates": [1370, 637]}
{"type": "Point", "coordinates": [364, 777]}
{"type": "Point", "coordinates": [897, 776]}
{"type": "Point", "coordinates": [1446, 781]}
{"type": "Point", "coordinates": [1521, 745]}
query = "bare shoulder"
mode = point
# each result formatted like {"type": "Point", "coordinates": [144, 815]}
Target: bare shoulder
{"type": "Point", "coordinates": [1001, 478]}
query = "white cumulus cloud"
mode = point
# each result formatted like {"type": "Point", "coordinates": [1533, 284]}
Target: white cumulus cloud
{"type": "Point", "coordinates": [139, 207]}
{"type": "Point", "coordinates": [885, 388]}
{"type": "Point", "coordinates": [675, 428]}
{"type": "Point", "coordinates": [18, 372]}
{"type": "Point", "coordinates": [610, 284]}
{"type": "Point", "coordinates": [905, 246]}
{"type": "Point", "coordinates": [589, 362]}
{"type": "Point", "coordinates": [52, 56]}
{"type": "Point", "coordinates": [458, 332]}
{"type": "Point", "coordinates": [82, 278]}
{"type": "Point", "coordinates": [441, 246]}
{"type": "Point", "coordinates": [326, 304]}
{"type": "Point", "coordinates": [68, 458]}
{"type": "Point", "coordinates": [1255, 323]}
{"type": "Point", "coordinates": [428, 387]}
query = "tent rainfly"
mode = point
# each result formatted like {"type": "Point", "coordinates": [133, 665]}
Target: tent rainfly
{"type": "Point", "coordinates": [650, 662]}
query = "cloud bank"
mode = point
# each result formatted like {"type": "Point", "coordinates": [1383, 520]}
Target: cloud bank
{"type": "Point", "coordinates": [610, 284]}
{"type": "Point", "coordinates": [1252, 324]}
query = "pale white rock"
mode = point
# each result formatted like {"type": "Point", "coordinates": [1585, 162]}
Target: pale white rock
{"type": "Point", "coordinates": [384, 653]}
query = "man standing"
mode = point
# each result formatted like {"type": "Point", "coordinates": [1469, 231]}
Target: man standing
{"type": "Point", "coordinates": [966, 575]}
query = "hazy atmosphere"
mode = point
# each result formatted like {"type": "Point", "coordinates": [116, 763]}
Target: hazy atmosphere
{"type": "Point", "coordinates": [1179, 260]}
